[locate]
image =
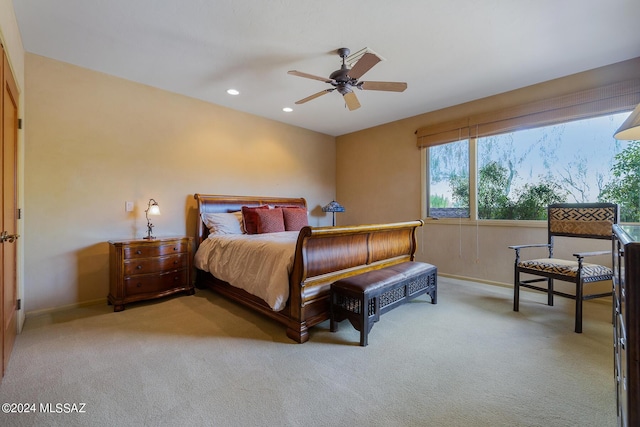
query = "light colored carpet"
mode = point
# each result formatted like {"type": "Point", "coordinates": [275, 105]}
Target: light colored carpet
{"type": "Point", "coordinates": [203, 360]}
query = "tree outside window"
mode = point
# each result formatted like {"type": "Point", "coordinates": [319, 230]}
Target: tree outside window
{"type": "Point", "coordinates": [624, 188]}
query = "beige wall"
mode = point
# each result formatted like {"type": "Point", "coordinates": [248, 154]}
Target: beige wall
{"type": "Point", "coordinates": [379, 177]}
{"type": "Point", "coordinates": [94, 141]}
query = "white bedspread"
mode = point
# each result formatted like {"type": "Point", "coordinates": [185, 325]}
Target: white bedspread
{"type": "Point", "coordinates": [258, 263]}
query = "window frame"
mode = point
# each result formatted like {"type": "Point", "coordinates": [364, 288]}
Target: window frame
{"type": "Point", "coordinates": [473, 190]}
{"type": "Point", "coordinates": [473, 200]}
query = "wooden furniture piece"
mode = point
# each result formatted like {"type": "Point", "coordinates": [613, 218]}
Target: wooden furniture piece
{"type": "Point", "coordinates": [364, 297]}
{"type": "Point", "coordinates": [583, 220]}
{"type": "Point", "coordinates": [626, 322]}
{"type": "Point", "coordinates": [322, 256]}
{"type": "Point", "coordinates": [145, 269]}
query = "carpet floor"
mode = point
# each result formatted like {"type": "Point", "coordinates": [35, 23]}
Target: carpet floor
{"type": "Point", "coordinates": [205, 361]}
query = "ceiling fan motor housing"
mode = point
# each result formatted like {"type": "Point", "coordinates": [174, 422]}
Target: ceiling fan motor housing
{"type": "Point", "coordinates": [341, 75]}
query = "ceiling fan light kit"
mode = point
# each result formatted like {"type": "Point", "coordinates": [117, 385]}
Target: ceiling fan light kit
{"type": "Point", "coordinates": [345, 79]}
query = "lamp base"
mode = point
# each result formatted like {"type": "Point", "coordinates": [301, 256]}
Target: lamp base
{"type": "Point", "coordinates": [149, 230]}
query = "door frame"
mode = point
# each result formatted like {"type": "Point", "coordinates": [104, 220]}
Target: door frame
{"type": "Point", "coordinates": [19, 186]}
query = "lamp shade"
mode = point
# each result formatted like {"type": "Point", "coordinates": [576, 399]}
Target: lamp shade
{"type": "Point", "coordinates": [154, 209]}
{"type": "Point", "coordinates": [333, 207]}
{"type": "Point", "coordinates": [630, 128]}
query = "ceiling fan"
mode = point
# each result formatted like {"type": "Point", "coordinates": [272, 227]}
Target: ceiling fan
{"type": "Point", "coordinates": [345, 79]}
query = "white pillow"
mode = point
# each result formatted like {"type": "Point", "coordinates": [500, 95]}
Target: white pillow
{"type": "Point", "coordinates": [238, 215]}
{"type": "Point", "coordinates": [223, 223]}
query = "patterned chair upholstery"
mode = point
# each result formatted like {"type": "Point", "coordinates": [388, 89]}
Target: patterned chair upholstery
{"type": "Point", "coordinates": [583, 220]}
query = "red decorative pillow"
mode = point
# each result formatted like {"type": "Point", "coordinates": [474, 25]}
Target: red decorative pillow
{"type": "Point", "coordinates": [270, 220]}
{"type": "Point", "coordinates": [250, 218]}
{"type": "Point", "coordinates": [294, 218]}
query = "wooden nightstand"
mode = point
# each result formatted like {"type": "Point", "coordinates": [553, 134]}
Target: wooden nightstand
{"type": "Point", "coordinates": [145, 269]}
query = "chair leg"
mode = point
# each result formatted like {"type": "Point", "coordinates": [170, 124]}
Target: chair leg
{"type": "Point", "coordinates": [550, 292]}
{"type": "Point", "coordinates": [579, 307]}
{"type": "Point", "coordinates": [516, 291]}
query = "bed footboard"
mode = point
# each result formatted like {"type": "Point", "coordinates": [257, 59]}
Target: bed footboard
{"type": "Point", "coordinates": [326, 254]}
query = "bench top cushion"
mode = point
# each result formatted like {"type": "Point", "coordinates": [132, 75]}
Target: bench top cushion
{"type": "Point", "coordinates": [412, 268]}
{"type": "Point", "coordinates": [375, 280]}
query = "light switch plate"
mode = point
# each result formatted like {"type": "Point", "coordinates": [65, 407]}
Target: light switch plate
{"type": "Point", "coordinates": [128, 206]}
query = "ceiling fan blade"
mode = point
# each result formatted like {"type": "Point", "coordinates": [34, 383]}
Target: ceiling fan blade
{"type": "Point", "coordinates": [387, 86]}
{"type": "Point", "coordinates": [309, 76]}
{"type": "Point", "coordinates": [352, 101]}
{"type": "Point", "coordinates": [314, 96]}
{"type": "Point", "coordinates": [364, 64]}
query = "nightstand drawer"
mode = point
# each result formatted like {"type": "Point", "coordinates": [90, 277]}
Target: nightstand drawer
{"type": "Point", "coordinates": [146, 251]}
{"type": "Point", "coordinates": [155, 282]}
{"type": "Point", "coordinates": [154, 265]}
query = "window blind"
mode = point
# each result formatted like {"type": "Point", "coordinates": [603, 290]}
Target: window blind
{"type": "Point", "coordinates": [607, 99]}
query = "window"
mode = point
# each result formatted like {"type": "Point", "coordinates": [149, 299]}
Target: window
{"type": "Point", "coordinates": [520, 172]}
{"type": "Point", "coordinates": [449, 180]}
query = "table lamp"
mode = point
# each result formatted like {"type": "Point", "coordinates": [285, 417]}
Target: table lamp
{"type": "Point", "coordinates": [333, 207]}
{"type": "Point", "coordinates": [152, 209]}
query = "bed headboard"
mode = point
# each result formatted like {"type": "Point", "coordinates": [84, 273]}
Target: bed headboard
{"type": "Point", "coordinates": [211, 203]}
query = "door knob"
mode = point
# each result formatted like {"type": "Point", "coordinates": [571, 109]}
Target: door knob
{"type": "Point", "coordinates": [6, 237]}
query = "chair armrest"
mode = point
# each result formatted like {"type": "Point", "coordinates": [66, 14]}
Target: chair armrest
{"type": "Point", "coordinates": [537, 245]}
{"type": "Point", "coordinates": [586, 254]}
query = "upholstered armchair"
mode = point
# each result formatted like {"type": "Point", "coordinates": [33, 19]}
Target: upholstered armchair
{"type": "Point", "coordinates": [579, 220]}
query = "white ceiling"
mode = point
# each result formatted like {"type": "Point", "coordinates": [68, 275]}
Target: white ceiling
{"type": "Point", "coordinates": [448, 51]}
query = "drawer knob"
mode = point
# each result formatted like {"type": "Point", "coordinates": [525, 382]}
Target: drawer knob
{"type": "Point", "coordinates": [138, 252]}
{"type": "Point", "coordinates": [139, 267]}
{"type": "Point", "coordinates": [175, 249]}
{"type": "Point", "coordinates": [139, 284]}
{"type": "Point", "coordinates": [175, 279]}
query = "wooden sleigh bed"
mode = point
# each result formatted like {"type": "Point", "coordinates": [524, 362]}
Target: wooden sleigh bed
{"type": "Point", "coordinates": [322, 256]}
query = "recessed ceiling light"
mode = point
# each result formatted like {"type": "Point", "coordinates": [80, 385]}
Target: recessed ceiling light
{"type": "Point", "coordinates": [287, 109]}
{"type": "Point", "coordinates": [233, 92]}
